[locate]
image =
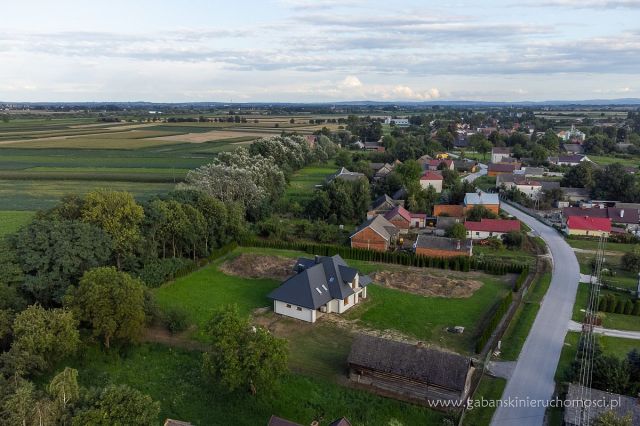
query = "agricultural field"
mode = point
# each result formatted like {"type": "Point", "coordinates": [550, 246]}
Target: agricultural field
{"type": "Point", "coordinates": [42, 159]}
{"type": "Point", "coordinates": [11, 221]}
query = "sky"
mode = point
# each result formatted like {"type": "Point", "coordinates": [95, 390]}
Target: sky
{"type": "Point", "coordinates": [319, 50]}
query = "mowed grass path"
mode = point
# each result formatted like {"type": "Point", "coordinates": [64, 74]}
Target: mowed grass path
{"type": "Point", "coordinates": [304, 181]}
{"type": "Point", "coordinates": [174, 378]}
{"type": "Point", "coordinates": [11, 221]}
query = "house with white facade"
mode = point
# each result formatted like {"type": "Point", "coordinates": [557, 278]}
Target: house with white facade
{"type": "Point", "coordinates": [529, 187]}
{"type": "Point", "coordinates": [488, 228]}
{"type": "Point", "coordinates": [434, 179]}
{"type": "Point", "coordinates": [572, 135]}
{"type": "Point", "coordinates": [500, 154]}
{"type": "Point", "coordinates": [321, 285]}
{"type": "Point", "coordinates": [400, 122]}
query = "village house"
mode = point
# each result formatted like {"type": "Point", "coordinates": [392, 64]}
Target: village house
{"type": "Point", "coordinates": [434, 164]}
{"type": "Point", "coordinates": [629, 218]}
{"type": "Point", "coordinates": [433, 179]}
{"type": "Point", "coordinates": [598, 402]}
{"type": "Point", "coordinates": [381, 170]}
{"type": "Point", "coordinates": [533, 171]}
{"type": "Point", "coordinates": [444, 223]}
{"type": "Point", "coordinates": [466, 165]}
{"type": "Point", "coordinates": [575, 195]}
{"type": "Point", "coordinates": [403, 219]}
{"type": "Point", "coordinates": [453, 210]}
{"type": "Point", "coordinates": [588, 226]}
{"type": "Point", "coordinates": [530, 188]}
{"type": "Point", "coordinates": [374, 146]}
{"type": "Point", "coordinates": [383, 204]}
{"type": "Point", "coordinates": [345, 174]}
{"type": "Point", "coordinates": [400, 122]}
{"type": "Point", "coordinates": [409, 371]}
{"type": "Point", "coordinates": [573, 135]}
{"type": "Point", "coordinates": [568, 160]}
{"type": "Point", "coordinates": [375, 234]}
{"type": "Point", "coordinates": [499, 154]}
{"type": "Point", "coordinates": [496, 169]}
{"type": "Point", "coordinates": [573, 148]}
{"type": "Point", "coordinates": [490, 201]}
{"type": "Point", "coordinates": [321, 285]}
{"type": "Point", "coordinates": [432, 246]}
{"type": "Point", "coordinates": [488, 228]}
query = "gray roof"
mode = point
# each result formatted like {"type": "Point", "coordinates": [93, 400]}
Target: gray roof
{"type": "Point", "coordinates": [342, 421]}
{"type": "Point", "coordinates": [345, 174]}
{"type": "Point", "coordinates": [427, 365]}
{"type": "Point", "coordinates": [500, 150]}
{"type": "Point", "coordinates": [481, 198]}
{"type": "Point", "coordinates": [616, 214]}
{"type": "Point", "coordinates": [549, 184]}
{"type": "Point", "coordinates": [381, 226]}
{"type": "Point", "coordinates": [442, 243]}
{"type": "Point", "coordinates": [575, 158]}
{"type": "Point", "coordinates": [382, 200]}
{"type": "Point", "coordinates": [624, 405]}
{"type": "Point", "coordinates": [446, 222]}
{"type": "Point", "coordinates": [319, 281]}
{"type": "Point", "coordinates": [534, 171]}
{"type": "Point", "coordinates": [573, 148]}
{"type": "Point", "coordinates": [279, 421]}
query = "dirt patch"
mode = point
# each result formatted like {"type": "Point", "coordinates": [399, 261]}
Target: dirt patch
{"type": "Point", "coordinates": [250, 265]}
{"type": "Point", "coordinates": [425, 284]}
{"type": "Point", "coordinates": [213, 135]}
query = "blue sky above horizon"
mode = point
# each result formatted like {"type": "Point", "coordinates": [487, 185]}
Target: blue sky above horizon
{"type": "Point", "coordinates": [319, 51]}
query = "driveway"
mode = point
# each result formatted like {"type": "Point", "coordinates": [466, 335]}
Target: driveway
{"type": "Point", "coordinates": [533, 375]}
{"type": "Point", "coordinates": [576, 326]}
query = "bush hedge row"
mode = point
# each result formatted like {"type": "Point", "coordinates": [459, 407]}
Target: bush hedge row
{"type": "Point", "coordinates": [460, 263]}
{"type": "Point", "coordinates": [521, 279]}
{"type": "Point", "coordinates": [618, 305]}
{"type": "Point", "coordinates": [215, 254]}
{"type": "Point", "coordinates": [492, 324]}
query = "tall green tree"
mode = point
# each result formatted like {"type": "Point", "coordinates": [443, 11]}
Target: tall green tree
{"type": "Point", "coordinates": [111, 302]}
{"type": "Point", "coordinates": [118, 214]}
{"type": "Point", "coordinates": [54, 254]}
{"type": "Point", "coordinates": [117, 405]}
{"type": "Point", "coordinates": [243, 356]}
{"type": "Point", "coordinates": [41, 337]}
{"type": "Point", "coordinates": [64, 388]}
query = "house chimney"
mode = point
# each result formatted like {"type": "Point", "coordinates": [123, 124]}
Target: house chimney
{"type": "Point", "coordinates": [622, 213]}
{"type": "Point", "coordinates": [458, 245]}
{"type": "Point", "coordinates": [317, 259]}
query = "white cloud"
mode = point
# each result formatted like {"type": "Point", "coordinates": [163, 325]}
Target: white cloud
{"type": "Point", "coordinates": [351, 81]}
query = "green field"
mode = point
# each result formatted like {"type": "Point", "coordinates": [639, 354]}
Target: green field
{"type": "Point", "coordinates": [521, 324]}
{"type": "Point", "coordinates": [11, 221]}
{"type": "Point", "coordinates": [304, 181]}
{"type": "Point", "coordinates": [174, 377]}
{"type": "Point", "coordinates": [43, 194]}
{"type": "Point", "coordinates": [593, 245]}
{"type": "Point", "coordinates": [603, 160]}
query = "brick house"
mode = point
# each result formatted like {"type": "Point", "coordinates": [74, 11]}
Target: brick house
{"type": "Point", "coordinates": [375, 234]}
{"type": "Point", "coordinates": [431, 246]}
{"type": "Point", "coordinates": [490, 201]}
{"type": "Point", "coordinates": [452, 210]}
{"type": "Point", "coordinates": [487, 228]}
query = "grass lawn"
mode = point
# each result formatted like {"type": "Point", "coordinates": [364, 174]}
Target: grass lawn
{"type": "Point", "coordinates": [485, 182]}
{"type": "Point", "coordinates": [304, 181]}
{"type": "Point", "coordinates": [174, 377]}
{"type": "Point", "coordinates": [522, 322]}
{"type": "Point", "coordinates": [503, 254]}
{"type": "Point", "coordinates": [604, 160]}
{"type": "Point", "coordinates": [491, 388]}
{"type": "Point", "coordinates": [11, 221]}
{"type": "Point", "coordinates": [593, 245]}
{"type": "Point", "coordinates": [621, 321]}
{"type": "Point", "coordinates": [615, 276]}
{"type": "Point", "coordinates": [427, 318]}
{"type": "Point", "coordinates": [199, 293]}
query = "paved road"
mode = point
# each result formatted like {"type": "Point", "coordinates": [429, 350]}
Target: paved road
{"type": "Point", "coordinates": [576, 326]}
{"type": "Point", "coordinates": [533, 375]}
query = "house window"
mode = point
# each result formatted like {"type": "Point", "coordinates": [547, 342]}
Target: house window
{"type": "Point", "coordinates": [288, 305]}
{"type": "Point", "coordinates": [299, 308]}
{"type": "Point", "coordinates": [477, 234]}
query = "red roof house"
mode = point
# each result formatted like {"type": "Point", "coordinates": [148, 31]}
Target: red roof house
{"type": "Point", "coordinates": [431, 178]}
{"type": "Point", "coordinates": [585, 225]}
{"type": "Point", "coordinates": [433, 164]}
{"type": "Point", "coordinates": [490, 228]}
{"type": "Point", "coordinates": [400, 217]}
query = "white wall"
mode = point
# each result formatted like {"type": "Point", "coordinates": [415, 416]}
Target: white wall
{"type": "Point", "coordinates": [304, 314]}
{"type": "Point", "coordinates": [437, 184]}
{"type": "Point", "coordinates": [481, 235]}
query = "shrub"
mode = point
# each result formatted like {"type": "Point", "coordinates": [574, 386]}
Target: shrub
{"type": "Point", "coordinates": [175, 320]}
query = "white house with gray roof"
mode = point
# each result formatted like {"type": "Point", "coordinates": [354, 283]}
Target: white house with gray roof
{"type": "Point", "coordinates": [322, 285]}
